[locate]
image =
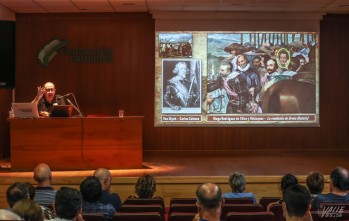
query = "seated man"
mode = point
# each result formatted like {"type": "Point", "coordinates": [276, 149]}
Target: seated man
{"type": "Point", "coordinates": [91, 190]}
{"type": "Point", "coordinates": [339, 185]}
{"type": "Point", "coordinates": [315, 183]}
{"type": "Point", "coordinates": [209, 202]}
{"type": "Point", "coordinates": [237, 183]}
{"type": "Point", "coordinates": [296, 203]}
{"type": "Point", "coordinates": [105, 178]}
{"type": "Point", "coordinates": [68, 204]}
{"type": "Point", "coordinates": [46, 97]}
{"type": "Point", "coordinates": [16, 192]}
{"type": "Point", "coordinates": [44, 193]}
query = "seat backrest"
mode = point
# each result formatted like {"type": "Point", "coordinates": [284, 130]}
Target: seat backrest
{"type": "Point", "coordinates": [142, 208]}
{"type": "Point", "coordinates": [240, 208]}
{"type": "Point", "coordinates": [93, 216]}
{"type": "Point", "coordinates": [278, 213]}
{"type": "Point", "coordinates": [138, 201]}
{"type": "Point", "coordinates": [146, 216]}
{"type": "Point", "coordinates": [250, 216]}
{"type": "Point", "coordinates": [179, 216]}
{"type": "Point", "coordinates": [247, 200]}
{"type": "Point", "coordinates": [187, 208]}
{"type": "Point", "coordinates": [182, 201]}
{"type": "Point", "coordinates": [265, 201]}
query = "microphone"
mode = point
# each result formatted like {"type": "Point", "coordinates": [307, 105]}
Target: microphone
{"type": "Point", "coordinates": [63, 96]}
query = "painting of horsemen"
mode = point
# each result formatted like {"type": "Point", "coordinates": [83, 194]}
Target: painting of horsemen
{"type": "Point", "coordinates": [245, 79]}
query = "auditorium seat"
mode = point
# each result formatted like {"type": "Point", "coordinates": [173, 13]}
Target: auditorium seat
{"type": "Point", "coordinates": [227, 208]}
{"type": "Point", "coordinates": [278, 213]}
{"type": "Point", "coordinates": [93, 216]}
{"type": "Point", "coordinates": [133, 208]}
{"type": "Point", "coordinates": [151, 201]}
{"type": "Point", "coordinates": [265, 201]}
{"type": "Point", "coordinates": [187, 208]}
{"type": "Point", "coordinates": [247, 200]}
{"type": "Point", "coordinates": [182, 201]}
{"type": "Point", "coordinates": [179, 216]}
{"type": "Point", "coordinates": [250, 216]}
{"type": "Point", "coordinates": [146, 216]}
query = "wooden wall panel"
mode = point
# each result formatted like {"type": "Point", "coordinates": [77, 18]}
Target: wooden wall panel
{"type": "Point", "coordinates": [128, 82]}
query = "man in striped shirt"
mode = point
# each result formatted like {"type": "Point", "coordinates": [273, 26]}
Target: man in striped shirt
{"type": "Point", "coordinates": [44, 193]}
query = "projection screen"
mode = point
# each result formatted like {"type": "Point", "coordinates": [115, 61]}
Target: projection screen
{"type": "Point", "coordinates": [232, 78]}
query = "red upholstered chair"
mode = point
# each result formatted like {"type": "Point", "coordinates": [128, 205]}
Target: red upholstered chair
{"type": "Point", "coordinates": [182, 201]}
{"type": "Point", "coordinates": [186, 208]}
{"type": "Point", "coordinates": [179, 216]}
{"type": "Point", "coordinates": [227, 208]}
{"type": "Point", "coordinates": [247, 200]}
{"type": "Point", "coordinates": [265, 201]}
{"type": "Point", "coordinates": [93, 216]}
{"type": "Point", "coordinates": [250, 216]}
{"type": "Point", "coordinates": [147, 216]}
{"type": "Point", "coordinates": [133, 208]}
{"type": "Point", "coordinates": [139, 201]}
{"type": "Point", "coordinates": [278, 213]}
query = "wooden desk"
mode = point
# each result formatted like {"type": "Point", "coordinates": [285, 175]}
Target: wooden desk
{"type": "Point", "coordinates": [76, 143]}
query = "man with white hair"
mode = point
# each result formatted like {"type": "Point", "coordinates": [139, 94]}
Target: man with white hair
{"type": "Point", "coordinates": [104, 176]}
{"type": "Point", "coordinates": [44, 193]}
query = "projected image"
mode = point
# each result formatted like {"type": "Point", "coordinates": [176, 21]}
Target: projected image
{"type": "Point", "coordinates": [237, 79]}
{"type": "Point", "coordinates": [181, 86]}
{"type": "Point", "coordinates": [274, 75]}
{"type": "Point", "coordinates": [173, 45]}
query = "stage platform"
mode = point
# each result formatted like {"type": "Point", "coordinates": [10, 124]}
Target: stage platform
{"type": "Point", "coordinates": [179, 173]}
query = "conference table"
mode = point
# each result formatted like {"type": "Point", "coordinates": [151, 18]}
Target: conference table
{"type": "Point", "coordinates": [76, 143]}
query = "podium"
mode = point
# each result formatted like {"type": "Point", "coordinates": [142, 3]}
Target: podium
{"type": "Point", "coordinates": [76, 143]}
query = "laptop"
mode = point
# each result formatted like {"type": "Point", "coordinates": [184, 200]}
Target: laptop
{"type": "Point", "coordinates": [25, 110]}
{"type": "Point", "coordinates": [61, 111]}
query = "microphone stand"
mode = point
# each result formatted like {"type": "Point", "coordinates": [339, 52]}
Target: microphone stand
{"type": "Point", "coordinates": [76, 107]}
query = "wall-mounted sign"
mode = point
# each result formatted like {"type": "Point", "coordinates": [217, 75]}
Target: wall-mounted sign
{"type": "Point", "coordinates": [78, 55]}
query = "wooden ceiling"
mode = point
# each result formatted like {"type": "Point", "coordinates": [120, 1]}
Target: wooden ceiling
{"type": "Point", "coordinates": [83, 6]}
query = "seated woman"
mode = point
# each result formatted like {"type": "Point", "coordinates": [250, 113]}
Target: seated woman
{"type": "Point", "coordinates": [286, 181]}
{"type": "Point", "coordinates": [237, 183]}
{"type": "Point", "coordinates": [145, 187]}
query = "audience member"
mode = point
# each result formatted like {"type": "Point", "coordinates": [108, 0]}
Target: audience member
{"type": "Point", "coordinates": [286, 181]}
{"type": "Point", "coordinates": [296, 203]}
{"type": "Point", "coordinates": [68, 204]}
{"type": "Point", "coordinates": [105, 178]}
{"type": "Point", "coordinates": [8, 215]}
{"type": "Point", "coordinates": [44, 193]}
{"type": "Point", "coordinates": [339, 186]}
{"type": "Point", "coordinates": [145, 186]}
{"type": "Point", "coordinates": [237, 183]}
{"type": "Point", "coordinates": [209, 202]}
{"type": "Point", "coordinates": [91, 190]}
{"type": "Point", "coordinates": [315, 183]}
{"type": "Point", "coordinates": [16, 192]}
{"type": "Point", "coordinates": [29, 210]}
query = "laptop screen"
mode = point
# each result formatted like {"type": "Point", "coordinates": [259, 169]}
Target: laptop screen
{"type": "Point", "coordinates": [61, 111]}
{"type": "Point", "coordinates": [25, 110]}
